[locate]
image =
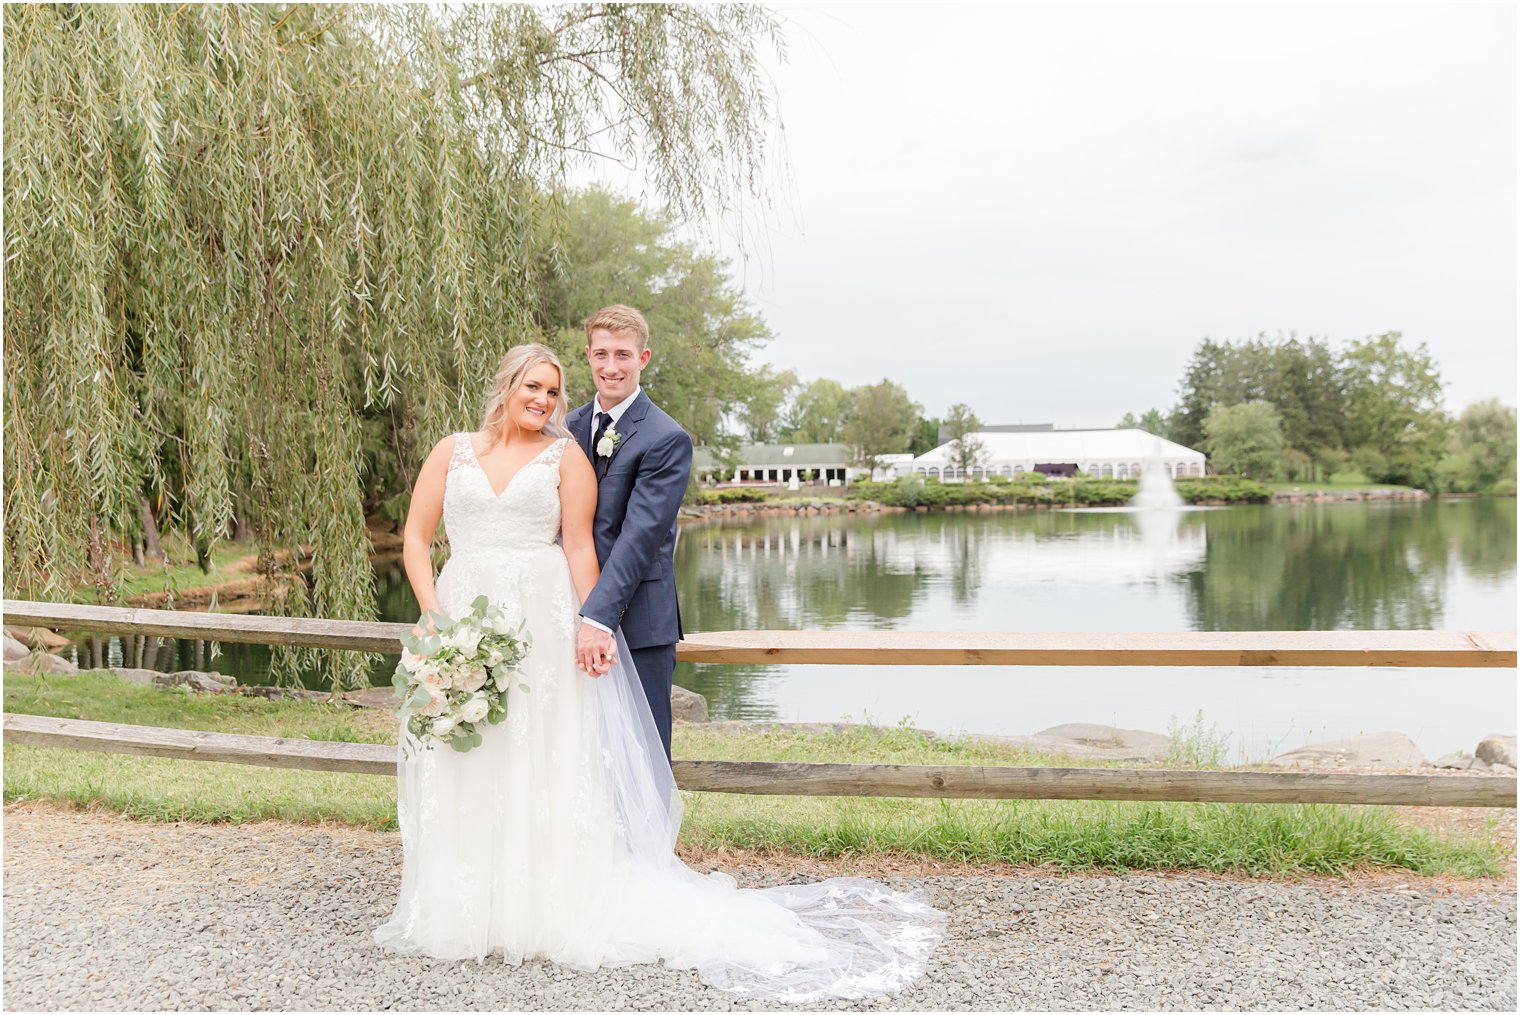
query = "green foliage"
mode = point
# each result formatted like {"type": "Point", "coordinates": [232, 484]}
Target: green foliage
{"type": "Point", "coordinates": [1301, 378]}
{"type": "Point", "coordinates": [818, 413]}
{"type": "Point", "coordinates": [880, 421]}
{"type": "Point", "coordinates": [966, 450]}
{"type": "Point", "coordinates": [761, 412]}
{"type": "Point", "coordinates": [250, 245]}
{"type": "Point", "coordinates": [1222, 490]}
{"type": "Point", "coordinates": [1245, 438]}
{"type": "Point", "coordinates": [1480, 450]}
{"type": "Point", "coordinates": [733, 495]}
{"type": "Point", "coordinates": [915, 493]}
{"type": "Point", "coordinates": [925, 436]}
{"type": "Point", "coordinates": [1151, 421]}
{"type": "Point", "coordinates": [1294, 464]}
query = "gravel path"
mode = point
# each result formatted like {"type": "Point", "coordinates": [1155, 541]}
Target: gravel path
{"type": "Point", "coordinates": [105, 913]}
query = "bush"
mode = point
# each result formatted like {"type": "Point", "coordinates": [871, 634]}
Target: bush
{"type": "Point", "coordinates": [913, 492]}
{"type": "Point", "coordinates": [1031, 477]}
{"type": "Point", "coordinates": [733, 495]}
{"type": "Point", "coordinates": [1229, 489]}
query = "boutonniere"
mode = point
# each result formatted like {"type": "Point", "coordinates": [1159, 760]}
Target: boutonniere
{"type": "Point", "coordinates": [609, 442]}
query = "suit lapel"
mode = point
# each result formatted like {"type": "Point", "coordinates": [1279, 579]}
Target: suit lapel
{"type": "Point", "coordinates": [626, 428]}
{"type": "Point", "coordinates": [580, 428]}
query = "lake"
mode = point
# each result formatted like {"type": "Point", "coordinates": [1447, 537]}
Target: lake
{"type": "Point", "coordinates": [1367, 565]}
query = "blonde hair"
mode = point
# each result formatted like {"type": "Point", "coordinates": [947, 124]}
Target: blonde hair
{"type": "Point", "coordinates": [509, 377]}
{"type": "Point", "coordinates": [620, 320]}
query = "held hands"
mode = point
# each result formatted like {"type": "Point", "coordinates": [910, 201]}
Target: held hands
{"type": "Point", "coordinates": [595, 651]}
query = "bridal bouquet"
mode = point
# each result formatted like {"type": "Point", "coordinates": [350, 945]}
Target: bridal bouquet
{"type": "Point", "coordinates": [452, 680]}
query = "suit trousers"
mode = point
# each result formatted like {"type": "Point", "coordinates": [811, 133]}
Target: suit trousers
{"type": "Point", "coordinates": [656, 665]}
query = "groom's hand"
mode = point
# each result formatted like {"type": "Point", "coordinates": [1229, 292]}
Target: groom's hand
{"type": "Point", "coordinates": [594, 650]}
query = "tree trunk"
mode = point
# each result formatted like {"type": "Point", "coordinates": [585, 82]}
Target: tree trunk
{"type": "Point", "coordinates": [154, 548]}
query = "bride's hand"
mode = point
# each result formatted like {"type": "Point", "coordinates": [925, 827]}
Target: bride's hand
{"type": "Point", "coordinates": [595, 650]}
{"type": "Point", "coordinates": [424, 627]}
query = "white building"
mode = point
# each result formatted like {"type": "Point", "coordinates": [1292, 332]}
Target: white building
{"type": "Point", "coordinates": [779, 463]}
{"type": "Point", "coordinates": [1108, 454]}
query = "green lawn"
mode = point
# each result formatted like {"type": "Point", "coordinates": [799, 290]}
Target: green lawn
{"type": "Point", "coordinates": [1258, 839]}
{"type": "Point", "coordinates": [1341, 482]}
{"type": "Point", "coordinates": [182, 573]}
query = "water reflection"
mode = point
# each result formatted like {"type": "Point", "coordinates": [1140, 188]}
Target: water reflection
{"type": "Point", "coordinates": [1308, 567]}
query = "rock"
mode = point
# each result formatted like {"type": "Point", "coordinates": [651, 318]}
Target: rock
{"type": "Point", "coordinates": [14, 650]}
{"type": "Point", "coordinates": [1504, 769]}
{"type": "Point", "coordinates": [687, 706]}
{"type": "Point", "coordinates": [1091, 740]}
{"type": "Point", "coordinates": [1497, 749]}
{"type": "Point", "coordinates": [1370, 750]}
{"type": "Point", "coordinates": [41, 637]}
{"type": "Point", "coordinates": [132, 675]}
{"type": "Point", "coordinates": [372, 697]}
{"type": "Point", "coordinates": [216, 683]}
{"type": "Point", "coordinates": [44, 663]}
{"type": "Point", "coordinates": [1457, 760]}
{"type": "Point", "coordinates": [276, 693]}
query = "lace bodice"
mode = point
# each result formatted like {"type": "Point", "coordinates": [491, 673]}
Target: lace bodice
{"type": "Point", "coordinates": [524, 515]}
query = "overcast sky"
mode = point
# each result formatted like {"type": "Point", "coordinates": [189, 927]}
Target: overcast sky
{"type": "Point", "coordinates": [1040, 209]}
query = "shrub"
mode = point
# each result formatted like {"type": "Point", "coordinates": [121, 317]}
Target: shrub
{"type": "Point", "coordinates": [733, 495]}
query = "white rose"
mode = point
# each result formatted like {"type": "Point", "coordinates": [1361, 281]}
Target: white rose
{"type": "Point", "coordinates": [412, 663]}
{"type": "Point", "coordinates": [495, 658]}
{"type": "Point", "coordinates": [430, 676]}
{"type": "Point", "coordinates": [472, 679]}
{"type": "Point", "coordinates": [503, 677]}
{"type": "Point", "coordinates": [443, 725]}
{"type": "Point", "coordinates": [605, 446]}
{"type": "Point", "coordinates": [500, 624]}
{"type": "Point", "coordinates": [466, 640]}
{"type": "Point", "coordinates": [475, 709]}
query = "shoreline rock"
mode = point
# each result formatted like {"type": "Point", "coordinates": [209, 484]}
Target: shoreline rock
{"type": "Point", "coordinates": [1370, 750]}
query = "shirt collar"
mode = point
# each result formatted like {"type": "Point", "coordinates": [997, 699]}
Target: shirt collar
{"type": "Point", "coordinates": [616, 412]}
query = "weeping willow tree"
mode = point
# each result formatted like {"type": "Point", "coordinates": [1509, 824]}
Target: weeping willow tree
{"type": "Point", "coordinates": [233, 232]}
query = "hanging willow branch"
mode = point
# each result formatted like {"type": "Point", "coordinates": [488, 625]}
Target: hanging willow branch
{"type": "Point", "coordinates": [235, 232]}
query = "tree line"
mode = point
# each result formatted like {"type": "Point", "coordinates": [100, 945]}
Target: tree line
{"type": "Point", "coordinates": [1298, 409]}
{"type": "Point", "coordinates": [873, 420]}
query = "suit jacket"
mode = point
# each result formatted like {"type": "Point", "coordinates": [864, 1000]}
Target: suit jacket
{"type": "Point", "coordinates": [639, 492]}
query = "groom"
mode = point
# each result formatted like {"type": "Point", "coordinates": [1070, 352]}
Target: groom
{"type": "Point", "coordinates": [642, 459]}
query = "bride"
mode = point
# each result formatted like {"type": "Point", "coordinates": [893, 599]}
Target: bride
{"type": "Point", "coordinates": [555, 837]}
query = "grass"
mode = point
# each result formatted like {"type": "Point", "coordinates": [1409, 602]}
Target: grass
{"type": "Point", "coordinates": [1272, 840]}
{"type": "Point", "coordinates": [1339, 482]}
{"type": "Point", "coordinates": [182, 573]}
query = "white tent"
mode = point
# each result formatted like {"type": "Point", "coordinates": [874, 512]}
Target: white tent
{"type": "Point", "coordinates": [1110, 454]}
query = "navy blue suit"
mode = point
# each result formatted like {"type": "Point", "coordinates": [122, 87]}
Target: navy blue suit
{"type": "Point", "coordinates": [639, 492]}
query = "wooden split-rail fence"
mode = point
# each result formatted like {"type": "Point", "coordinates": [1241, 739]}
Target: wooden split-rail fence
{"type": "Point", "coordinates": [903, 648]}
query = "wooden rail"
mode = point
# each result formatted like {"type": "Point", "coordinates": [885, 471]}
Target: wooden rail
{"type": "Point", "coordinates": [812, 779]}
{"type": "Point", "coordinates": [892, 648]}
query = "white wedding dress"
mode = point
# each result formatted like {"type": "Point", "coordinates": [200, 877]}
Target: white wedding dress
{"type": "Point", "coordinates": [554, 838]}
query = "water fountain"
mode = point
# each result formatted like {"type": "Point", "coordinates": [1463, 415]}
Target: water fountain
{"type": "Point", "coordinates": [1157, 492]}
